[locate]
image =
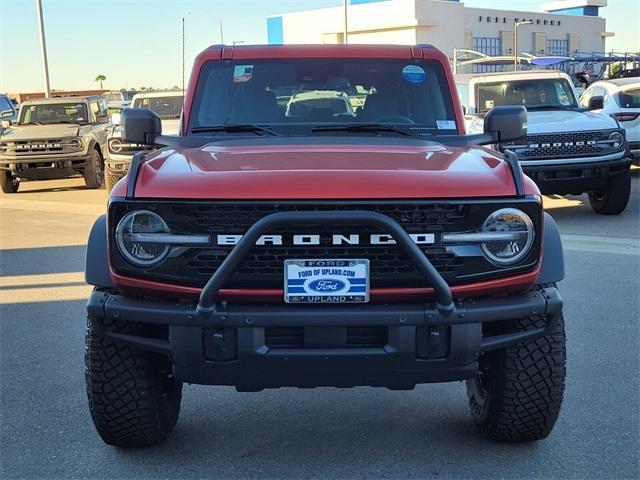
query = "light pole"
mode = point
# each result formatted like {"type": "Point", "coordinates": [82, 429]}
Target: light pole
{"type": "Point", "coordinates": [43, 48]}
{"type": "Point", "coordinates": [345, 35]}
{"type": "Point", "coordinates": [219, 23]}
{"type": "Point", "coordinates": [183, 38]}
{"type": "Point", "coordinates": [515, 42]}
{"type": "Point", "coordinates": [183, 55]}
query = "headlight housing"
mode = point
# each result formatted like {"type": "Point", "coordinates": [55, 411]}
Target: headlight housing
{"type": "Point", "coordinates": [516, 244]}
{"type": "Point", "coordinates": [75, 144]}
{"type": "Point", "coordinates": [616, 140]}
{"type": "Point", "coordinates": [115, 145]}
{"type": "Point", "coordinates": [141, 253]}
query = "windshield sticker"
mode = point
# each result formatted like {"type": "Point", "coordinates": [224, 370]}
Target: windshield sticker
{"type": "Point", "coordinates": [488, 104]}
{"type": "Point", "coordinates": [446, 124]}
{"type": "Point", "coordinates": [414, 74]}
{"type": "Point", "coordinates": [242, 73]}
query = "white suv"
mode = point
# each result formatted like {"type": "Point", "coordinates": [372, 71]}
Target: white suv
{"type": "Point", "coordinates": [619, 98]}
{"type": "Point", "coordinates": [568, 150]}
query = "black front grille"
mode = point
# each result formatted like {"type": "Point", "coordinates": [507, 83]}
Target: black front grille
{"type": "Point", "coordinates": [563, 145]}
{"type": "Point", "coordinates": [263, 267]}
{"type": "Point", "coordinates": [29, 147]}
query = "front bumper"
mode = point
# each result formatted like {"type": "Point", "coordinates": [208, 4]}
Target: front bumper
{"type": "Point", "coordinates": [118, 162]}
{"type": "Point", "coordinates": [237, 344]}
{"type": "Point", "coordinates": [42, 167]}
{"type": "Point", "coordinates": [574, 178]}
{"type": "Point", "coordinates": [396, 345]}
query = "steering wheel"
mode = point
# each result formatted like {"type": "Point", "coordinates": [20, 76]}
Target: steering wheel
{"type": "Point", "coordinates": [393, 119]}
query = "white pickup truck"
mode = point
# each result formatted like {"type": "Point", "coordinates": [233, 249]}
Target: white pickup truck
{"type": "Point", "coordinates": [568, 149]}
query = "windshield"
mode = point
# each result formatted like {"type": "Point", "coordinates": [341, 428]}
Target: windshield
{"type": "Point", "coordinates": [113, 97]}
{"type": "Point", "coordinates": [165, 107]}
{"type": "Point", "coordinates": [293, 92]}
{"type": "Point", "coordinates": [629, 99]}
{"type": "Point", "coordinates": [47, 113]}
{"type": "Point", "coordinates": [542, 93]}
{"type": "Point", "coordinates": [128, 96]}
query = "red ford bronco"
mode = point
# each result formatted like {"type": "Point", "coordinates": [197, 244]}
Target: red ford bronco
{"type": "Point", "coordinates": [279, 243]}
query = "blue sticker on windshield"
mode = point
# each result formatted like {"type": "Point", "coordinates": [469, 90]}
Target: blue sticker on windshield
{"type": "Point", "coordinates": [414, 74]}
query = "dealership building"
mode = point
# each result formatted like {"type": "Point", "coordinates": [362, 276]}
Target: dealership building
{"type": "Point", "coordinates": [561, 27]}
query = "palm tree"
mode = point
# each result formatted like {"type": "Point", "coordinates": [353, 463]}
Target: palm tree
{"type": "Point", "coordinates": [100, 78]}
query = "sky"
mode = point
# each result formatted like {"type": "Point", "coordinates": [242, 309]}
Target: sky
{"type": "Point", "coordinates": [138, 43]}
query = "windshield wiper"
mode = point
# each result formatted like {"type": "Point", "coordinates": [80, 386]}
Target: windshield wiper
{"type": "Point", "coordinates": [361, 127]}
{"type": "Point", "coordinates": [550, 107]}
{"type": "Point", "coordinates": [235, 128]}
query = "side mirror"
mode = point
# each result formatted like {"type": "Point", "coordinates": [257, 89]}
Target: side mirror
{"type": "Point", "coordinates": [139, 125]}
{"type": "Point", "coordinates": [507, 123]}
{"type": "Point", "coordinates": [6, 123]}
{"type": "Point", "coordinates": [115, 119]}
{"type": "Point", "coordinates": [6, 113]}
{"type": "Point", "coordinates": [596, 102]}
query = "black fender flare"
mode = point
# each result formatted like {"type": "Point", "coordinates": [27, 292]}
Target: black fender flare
{"type": "Point", "coordinates": [552, 268]}
{"type": "Point", "coordinates": [96, 270]}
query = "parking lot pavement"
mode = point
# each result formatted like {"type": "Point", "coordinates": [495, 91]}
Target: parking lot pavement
{"type": "Point", "coordinates": [46, 432]}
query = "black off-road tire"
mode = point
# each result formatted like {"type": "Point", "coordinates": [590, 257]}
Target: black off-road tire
{"type": "Point", "coordinates": [94, 171]}
{"type": "Point", "coordinates": [517, 394]}
{"type": "Point", "coordinates": [8, 182]}
{"type": "Point", "coordinates": [111, 177]}
{"type": "Point", "coordinates": [614, 199]}
{"type": "Point", "coordinates": [134, 398]}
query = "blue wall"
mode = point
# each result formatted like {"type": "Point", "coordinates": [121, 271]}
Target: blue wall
{"type": "Point", "coordinates": [589, 11]}
{"type": "Point", "coordinates": [275, 35]}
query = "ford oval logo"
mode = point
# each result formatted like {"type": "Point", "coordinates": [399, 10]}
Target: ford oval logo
{"type": "Point", "coordinates": [326, 285]}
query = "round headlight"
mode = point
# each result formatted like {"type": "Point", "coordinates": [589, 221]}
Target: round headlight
{"type": "Point", "coordinates": [115, 145]}
{"type": "Point", "coordinates": [76, 144]}
{"type": "Point", "coordinates": [616, 139]}
{"type": "Point", "coordinates": [137, 252]}
{"type": "Point", "coordinates": [515, 245]}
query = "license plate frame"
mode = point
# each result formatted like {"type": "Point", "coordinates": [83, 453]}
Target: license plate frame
{"type": "Point", "coordinates": [326, 281]}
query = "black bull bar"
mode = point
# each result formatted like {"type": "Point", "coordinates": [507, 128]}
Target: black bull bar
{"type": "Point", "coordinates": [444, 298]}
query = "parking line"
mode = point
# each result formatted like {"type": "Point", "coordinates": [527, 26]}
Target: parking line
{"type": "Point", "coordinates": [601, 244]}
{"type": "Point", "coordinates": [49, 287]}
{"type": "Point", "coordinates": [53, 207]}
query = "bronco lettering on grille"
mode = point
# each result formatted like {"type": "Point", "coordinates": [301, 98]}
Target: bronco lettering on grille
{"type": "Point", "coordinates": [313, 239]}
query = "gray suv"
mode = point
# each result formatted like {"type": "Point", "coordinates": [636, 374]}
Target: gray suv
{"type": "Point", "coordinates": [55, 138]}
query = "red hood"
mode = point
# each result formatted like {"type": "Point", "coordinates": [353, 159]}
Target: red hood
{"type": "Point", "coordinates": [324, 172]}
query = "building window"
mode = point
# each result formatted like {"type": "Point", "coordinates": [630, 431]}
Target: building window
{"type": "Point", "coordinates": [558, 48]}
{"type": "Point", "coordinates": [480, 18]}
{"type": "Point", "coordinates": [490, 46]}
